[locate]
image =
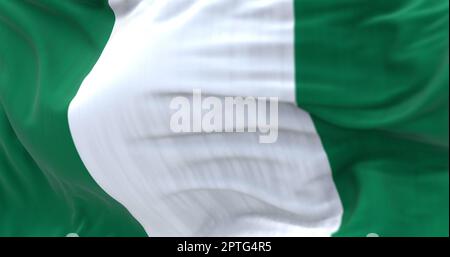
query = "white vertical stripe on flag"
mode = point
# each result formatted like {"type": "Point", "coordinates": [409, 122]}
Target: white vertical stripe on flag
{"type": "Point", "coordinates": [203, 184]}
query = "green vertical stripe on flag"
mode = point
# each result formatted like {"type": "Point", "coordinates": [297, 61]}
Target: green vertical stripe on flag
{"type": "Point", "coordinates": [47, 48]}
{"type": "Point", "coordinates": [374, 77]}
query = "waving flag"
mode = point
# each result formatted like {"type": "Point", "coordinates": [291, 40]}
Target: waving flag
{"type": "Point", "coordinates": [86, 146]}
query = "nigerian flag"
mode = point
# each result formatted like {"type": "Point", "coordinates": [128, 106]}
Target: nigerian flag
{"type": "Point", "coordinates": [362, 136]}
